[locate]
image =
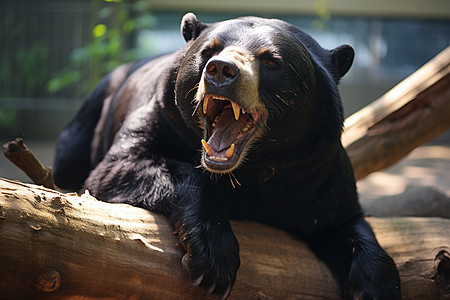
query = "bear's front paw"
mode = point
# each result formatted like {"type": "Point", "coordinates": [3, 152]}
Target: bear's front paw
{"type": "Point", "coordinates": [377, 280]}
{"type": "Point", "coordinates": [213, 264]}
{"type": "Point", "coordinates": [373, 293]}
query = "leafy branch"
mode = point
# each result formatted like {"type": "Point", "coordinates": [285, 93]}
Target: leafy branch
{"type": "Point", "coordinates": [112, 44]}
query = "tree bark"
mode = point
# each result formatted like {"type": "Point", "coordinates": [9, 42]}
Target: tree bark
{"type": "Point", "coordinates": [19, 154]}
{"type": "Point", "coordinates": [60, 246]}
{"type": "Point", "coordinates": [411, 114]}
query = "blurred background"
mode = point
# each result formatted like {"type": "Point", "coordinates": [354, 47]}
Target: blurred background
{"type": "Point", "coordinates": [52, 53]}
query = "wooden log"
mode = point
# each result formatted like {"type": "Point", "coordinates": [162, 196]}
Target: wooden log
{"type": "Point", "coordinates": [19, 154]}
{"type": "Point", "coordinates": [60, 246]}
{"type": "Point", "coordinates": [417, 201]}
{"type": "Point", "coordinates": [412, 113]}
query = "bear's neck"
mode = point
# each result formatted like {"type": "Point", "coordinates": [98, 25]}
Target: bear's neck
{"type": "Point", "coordinates": [291, 168]}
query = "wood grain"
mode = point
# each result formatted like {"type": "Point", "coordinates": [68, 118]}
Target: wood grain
{"type": "Point", "coordinates": [61, 246]}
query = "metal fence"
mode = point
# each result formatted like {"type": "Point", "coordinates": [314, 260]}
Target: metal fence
{"type": "Point", "coordinates": [36, 39]}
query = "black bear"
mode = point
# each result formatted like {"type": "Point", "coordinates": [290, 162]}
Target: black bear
{"type": "Point", "coordinates": [243, 122]}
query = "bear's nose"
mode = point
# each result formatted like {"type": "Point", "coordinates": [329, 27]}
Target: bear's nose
{"type": "Point", "coordinates": [221, 72]}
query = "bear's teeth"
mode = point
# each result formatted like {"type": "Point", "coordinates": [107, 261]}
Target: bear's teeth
{"type": "Point", "coordinates": [236, 110]}
{"type": "Point", "coordinates": [205, 104]}
{"type": "Point", "coordinates": [218, 159]}
{"type": "Point", "coordinates": [247, 127]}
{"type": "Point", "coordinates": [230, 151]}
{"type": "Point", "coordinates": [207, 147]}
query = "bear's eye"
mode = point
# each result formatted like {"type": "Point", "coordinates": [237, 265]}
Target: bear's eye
{"type": "Point", "coordinates": [269, 58]}
{"type": "Point", "coordinates": [212, 48]}
{"type": "Point", "coordinates": [270, 63]}
{"type": "Point", "coordinates": [207, 52]}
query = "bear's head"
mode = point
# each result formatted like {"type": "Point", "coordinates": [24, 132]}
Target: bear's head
{"type": "Point", "coordinates": [256, 84]}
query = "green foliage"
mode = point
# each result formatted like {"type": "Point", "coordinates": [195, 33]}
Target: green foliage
{"type": "Point", "coordinates": [32, 60]}
{"type": "Point", "coordinates": [8, 118]}
{"type": "Point", "coordinates": [116, 22]}
{"type": "Point", "coordinates": [30, 65]}
{"type": "Point", "coordinates": [321, 8]}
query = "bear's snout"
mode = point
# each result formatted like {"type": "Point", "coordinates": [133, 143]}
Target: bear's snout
{"type": "Point", "coordinates": [221, 72]}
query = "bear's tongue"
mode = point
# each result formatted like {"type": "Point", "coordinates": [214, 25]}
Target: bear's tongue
{"type": "Point", "coordinates": [226, 130]}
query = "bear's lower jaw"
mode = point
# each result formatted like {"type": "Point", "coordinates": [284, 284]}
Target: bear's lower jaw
{"type": "Point", "coordinates": [220, 162]}
{"type": "Point", "coordinates": [224, 152]}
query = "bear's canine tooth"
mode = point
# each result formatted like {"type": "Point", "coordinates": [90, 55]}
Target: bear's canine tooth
{"type": "Point", "coordinates": [236, 110]}
{"type": "Point", "coordinates": [230, 151]}
{"type": "Point", "coordinates": [205, 104]}
{"type": "Point", "coordinates": [207, 147]}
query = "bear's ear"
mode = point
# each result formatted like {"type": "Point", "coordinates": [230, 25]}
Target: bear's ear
{"type": "Point", "coordinates": [191, 27]}
{"type": "Point", "coordinates": [342, 58]}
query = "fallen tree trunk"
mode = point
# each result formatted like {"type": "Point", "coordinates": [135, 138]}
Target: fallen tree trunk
{"type": "Point", "coordinates": [417, 201]}
{"type": "Point", "coordinates": [59, 246]}
{"type": "Point", "coordinates": [411, 114]}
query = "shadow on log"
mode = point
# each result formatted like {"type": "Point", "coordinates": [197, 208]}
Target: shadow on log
{"type": "Point", "coordinates": [59, 246]}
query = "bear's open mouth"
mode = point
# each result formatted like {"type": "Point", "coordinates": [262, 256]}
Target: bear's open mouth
{"type": "Point", "coordinates": [228, 130]}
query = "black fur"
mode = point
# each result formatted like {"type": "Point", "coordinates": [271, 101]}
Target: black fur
{"type": "Point", "coordinates": [137, 140]}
